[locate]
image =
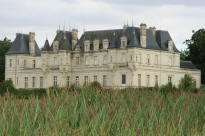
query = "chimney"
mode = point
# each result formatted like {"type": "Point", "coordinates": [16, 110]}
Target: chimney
{"type": "Point", "coordinates": [143, 35]}
{"type": "Point", "coordinates": [153, 30]}
{"type": "Point", "coordinates": [74, 37]}
{"type": "Point", "coordinates": [32, 43]}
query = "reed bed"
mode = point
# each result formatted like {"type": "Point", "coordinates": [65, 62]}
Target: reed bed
{"type": "Point", "coordinates": [127, 112]}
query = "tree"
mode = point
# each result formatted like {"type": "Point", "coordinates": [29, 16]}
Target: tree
{"type": "Point", "coordinates": [196, 50]}
{"type": "Point", "coordinates": [4, 47]}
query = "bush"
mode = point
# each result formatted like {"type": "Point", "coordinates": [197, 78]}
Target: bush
{"type": "Point", "coordinates": [187, 84]}
{"type": "Point", "coordinates": [202, 88]}
{"type": "Point", "coordinates": [26, 93]}
{"type": "Point", "coordinates": [7, 85]}
{"type": "Point", "coordinates": [96, 85]}
{"type": "Point", "coordinates": [56, 90]}
{"type": "Point", "coordinates": [168, 88]}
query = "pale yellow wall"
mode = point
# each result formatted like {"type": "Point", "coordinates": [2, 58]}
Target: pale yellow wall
{"type": "Point", "coordinates": [66, 66]}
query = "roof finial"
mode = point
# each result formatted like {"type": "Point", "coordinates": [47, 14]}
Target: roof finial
{"type": "Point", "coordinates": [132, 22]}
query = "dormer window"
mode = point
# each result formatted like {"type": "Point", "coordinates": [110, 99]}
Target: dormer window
{"type": "Point", "coordinates": [55, 46]}
{"type": "Point", "coordinates": [105, 43]}
{"type": "Point", "coordinates": [170, 46]}
{"type": "Point", "coordinates": [87, 45]}
{"type": "Point", "coordinates": [96, 45]}
{"type": "Point", "coordinates": [123, 42]}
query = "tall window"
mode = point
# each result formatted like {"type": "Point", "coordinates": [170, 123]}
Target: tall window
{"type": "Point", "coordinates": [34, 63]}
{"type": "Point", "coordinates": [95, 78]}
{"type": "Point", "coordinates": [139, 80]}
{"type": "Point", "coordinates": [26, 82]}
{"type": "Point", "coordinates": [95, 60]}
{"type": "Point", "coordinates": [169, 79]}
{"type": "Point", "coordinates": [156, 60]}
{"type": "Point", "coordinates": [41, 82]}
{"type": "Point", "coordinates": [104, 80]}
{"type": "Point", "coordinates": [148, 59]}
{"type": "Point", "coordinates": [86, 80]}
{"type": "Point", "coordinates": [123, 58]}
{"type": "Point", "coordinates": [170, 61]}
{"type": "Point", "coordinates": [17, 80]}
{"type": "Point", "coordinates": [10, 63]}
{"type": "Point", "coordinates": [148, 77]}
{"type": "Point", "coordinates": [156, 79]}
{"type": "Point", "coordinates": [77, 81]}
{"type": "Point", "coordinates": [55, 81]}
{"type": "Point", "coordinates": [33, 82]}
{"type": "Point", "coordinates": [105, 59]}
{"type": "Point", "coordinates": [55, 61]}
{"type": "Point", "coordinates": [86, 60]}
{"type": "Point", "coordinates": [24, 63]}
{"type": "Point", "coordinates": [68, 81]}
{"type": "Point", "coordinates": [77, 60]}
{"type": "Point", "coordinates": [123, 79]}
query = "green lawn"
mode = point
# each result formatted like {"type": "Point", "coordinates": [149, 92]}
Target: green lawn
{"type": "Point", "coordinates": [104, 112]}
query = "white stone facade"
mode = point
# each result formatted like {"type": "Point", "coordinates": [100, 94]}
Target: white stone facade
{"type": "Point", "coordinates": [121, 67]}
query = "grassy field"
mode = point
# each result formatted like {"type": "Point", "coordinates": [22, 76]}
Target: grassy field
{"type": "Point", "coordinates": [127, 112]}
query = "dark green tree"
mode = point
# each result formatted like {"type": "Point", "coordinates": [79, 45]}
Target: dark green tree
{"type": "Point", "coordinates": [4, 47]}
{"type": "Point", "coordinates": [196, 50]}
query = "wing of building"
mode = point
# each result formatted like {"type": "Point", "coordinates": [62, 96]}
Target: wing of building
{"type": "Point", "coordinates": [131, 56]}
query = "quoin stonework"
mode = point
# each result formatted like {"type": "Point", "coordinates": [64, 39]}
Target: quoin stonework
{"type": "Point", "coordinates": [127, 57]}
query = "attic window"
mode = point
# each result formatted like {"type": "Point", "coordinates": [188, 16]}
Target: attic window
{"type": "Point", "coordinates": [170, 46]}
{"type": "Point", "coordinates": [123, 41]}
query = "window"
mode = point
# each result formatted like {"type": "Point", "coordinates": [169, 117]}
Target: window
{"type": "Point", "coordinates": [156, 60]}
{"type": "Point", "coordinates": [131, 58]}
{"type": "Point", "coordinates": [41, 82]}
{"type": "Point", "coordinates": [68, 80]}
{"type": "Point", "coordinates": [95, 60]}
{"type": "Point", "coordinates": [148, 59]}
{"type": "Point", "coordinates": [104, 80]}
{"type": "Point", "coordinates": [55, 61]}
{"type": "Point", "coordinates": [77, 60]}
{"type": "Point", "coordinates": [123, 79]}
{"type": "Point", "coordinates": [17, 80]}
{"type": "Point", "coordinates": [123, 58]}
{"type": "Point", "coordinates": [55, 81]}
{"type": "Point", "coordinates": [77, 81]}
{"type": "Point", "coordinates": [24, 63]}
{"type": "Point", "coordinates": [139, 80]}
{"type": "Point", "coordinates": [86, 60]}
{"type": "Point", "coordinates": [10, 63]}
{"type": "Point", "coordinates": [95, 78]}
{"type": "Point", "coordinates": [148, 76]}
{"type": "Point", "coordinates": [138, 58]}
{"type": "Point", "coordinates": [169, 79]}
{"type": "Point", "coordinates": [123, 43]}
{"type": "Point", "coordinates": [170, 61]}
{"type": "Point", "coordinates": [156, 79]}
{"type": "Point", "coordinates": [86, 80]}
{"type": "Point", "coordinates": [105, 59]}
{"type": "Point", "coordinates": [34, 63]}
{"type": "Point", "coordinates": [33, 82]}
{"type": "Point", "coordinates": [26, 82]}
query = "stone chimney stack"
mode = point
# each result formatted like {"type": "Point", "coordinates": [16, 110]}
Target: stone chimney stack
{"type": "Point", "coordinates": [32, 43]}
{"type": "Point", "coordinates": [143, 35]}
{"type": "Point", "coordinates": [153, 30]}
{"type": "Point", "coordinates": [74, 37]}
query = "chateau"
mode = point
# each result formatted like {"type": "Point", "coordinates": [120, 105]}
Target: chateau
{"type": "Point", "coordinates": [127, 57]}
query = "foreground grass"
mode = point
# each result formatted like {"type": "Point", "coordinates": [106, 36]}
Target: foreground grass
{"type": "Point", "coordinates": [109, 112]}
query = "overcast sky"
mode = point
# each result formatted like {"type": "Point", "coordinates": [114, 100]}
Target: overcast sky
{"type": "Point", "coordinates": [43, 17]}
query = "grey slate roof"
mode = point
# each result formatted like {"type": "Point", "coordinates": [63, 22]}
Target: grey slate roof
{"type": "Point", "coordinates": [21, 45]}
{"type": "Point", "coordinates": [187, 65]}
{"type": "Point", "coordinates": [46, 46]}
{"type": "Point", "coordinates": [160, 42]}
{"type": "Point", "coordinates": [65, 40]}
